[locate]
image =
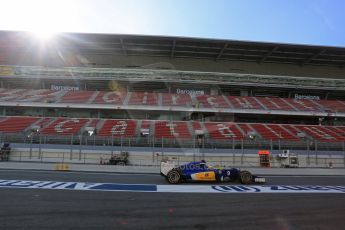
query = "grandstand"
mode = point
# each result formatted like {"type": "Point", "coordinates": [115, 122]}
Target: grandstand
{"type": "Point", "coordinates": [168, 93]}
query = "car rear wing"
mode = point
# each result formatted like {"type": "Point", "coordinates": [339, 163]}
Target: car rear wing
{"type": "Point", "coordinates": [167, 166]}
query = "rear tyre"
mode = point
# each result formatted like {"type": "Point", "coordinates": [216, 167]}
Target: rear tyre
{"type": "Point", "coordinates": [246, 177]}
{"type": "Point", "coordinates": [173, 177]}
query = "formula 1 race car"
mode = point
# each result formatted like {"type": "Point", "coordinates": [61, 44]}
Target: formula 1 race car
{"type": "Point", "coordinates": [200, 171]}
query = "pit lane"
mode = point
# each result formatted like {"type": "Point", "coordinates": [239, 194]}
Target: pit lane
{"type": "Point", "coordinates": [138, 178]}
{"type": "Point", "coordinates": [65, 209]}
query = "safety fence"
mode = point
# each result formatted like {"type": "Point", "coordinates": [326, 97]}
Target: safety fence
{"type": "Point", "coordinates": [150, 151]}
{"type": "Point", "coordinates": [151, 142]}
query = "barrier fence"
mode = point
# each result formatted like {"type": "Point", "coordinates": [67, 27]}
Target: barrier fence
{"type": "Point", "coordinates": [154, 158]}
{"type": "Point", "coordinates": [149, 151]}
{"type": "Point", "coordinates": [152, 142]}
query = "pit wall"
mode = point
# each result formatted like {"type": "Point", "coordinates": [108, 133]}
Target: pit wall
{"type": "Point", "coordinates": [247, 158]}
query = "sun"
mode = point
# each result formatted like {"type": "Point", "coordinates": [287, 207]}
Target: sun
{"type": "Point", "coordinates": [41, 18]}
{"type": "Point", "coordinates": [43, 34]}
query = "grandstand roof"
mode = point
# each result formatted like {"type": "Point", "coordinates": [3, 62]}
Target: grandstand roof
{"type": "Point", "coordinates": [182, 47]}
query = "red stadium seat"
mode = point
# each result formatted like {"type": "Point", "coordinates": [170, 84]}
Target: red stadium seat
{"type": "Point", "coordinates": [16, 124]}
{"type": "Point", "coordinates": [176, 100]}
{"type": "Point", "coordinates": [208, 101]}
{"type": "Point", "coordinates": [166, 129]}
{"type": "Point", "coordinates": [64, 126]}
{"type": "Point", "coordinates": [118, 128]}
{"type": "Point", "coordinates": [143, 98]}
{"type": "Point", "coordinates": [76, 96]}
{"type": "Point", "coordinates": [109, 98]}
{"type": "Point", "coordinates": [244, 102]}
{"type": "Point", "coordinates": [223, 130]}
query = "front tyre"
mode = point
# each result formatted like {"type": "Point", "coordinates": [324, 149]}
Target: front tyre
{"type": "Point", "coordinates": [173, 177]}
{"type": "Point", "coordinates": [246, 177]}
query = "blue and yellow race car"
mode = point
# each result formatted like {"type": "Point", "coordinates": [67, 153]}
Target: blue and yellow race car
{"type": "Point", "coordinates": [200, 171]}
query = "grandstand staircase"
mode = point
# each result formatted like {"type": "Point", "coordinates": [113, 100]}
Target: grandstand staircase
{"type": "Point", "coordinates": [288, 131]}
{"type": "Point", "coordinates": [260, 103]}
{"type": "Point", "coordinates": [200, 125]}
{"type": "Point", "coordinates": [11, 94]}
{"type": "Point", "coordinates": [127, 98]}
{"type": "Point", "coordinates": [59, 97]}
{"type": "Point", "coordinates": [278, 106]}
{"type": "Point", "coordinates": [93, 97]}
{"type": "Point", "coordinates": [42, 123]}
{"type": "Point", "coordinates": [228, 101]}
{"type": "Point", "coordinates": [282, 133]}
{"type": "Point", "coordinates": [100, 124]}
{"type": "Point", "coordinates": [159, 99]}
{"type": "Point", "coordinates": [295, 130]}
{"type": "Point", "coordinates": [318, 104]}
{"type": "Point", "coordinates": [138, 130]}
{"type": "Point", "coordinates": [92, 122]}
{"type": "Point", "coordinates": [4, 119]}
{"type": "Point", "coordinates": [23, 97]}
{"type": "Point", "coordinates": [247, 129]}
{"type": "Point", "coordinates": [152, 129]}
{"type": "Point", "coordinates": [339, 131]}
{"type": "Point", "coordinates": [290, 104]}
{"type": "Point", "coordinates": [342, 102]}
{"type": "Point", "coordinates": [190, 128]}
{"type": "Point", "coordinates": [241, 130]}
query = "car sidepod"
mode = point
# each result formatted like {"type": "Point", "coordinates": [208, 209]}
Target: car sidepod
{"type": "Point", "coordinates": [204, 176]}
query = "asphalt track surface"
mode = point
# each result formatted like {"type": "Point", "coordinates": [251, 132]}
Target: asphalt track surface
{"type": "Point", "coordinates": [65, 209]}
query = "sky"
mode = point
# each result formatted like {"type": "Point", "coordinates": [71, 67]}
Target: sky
{"type": "Point", "coordinates": [315, 22]}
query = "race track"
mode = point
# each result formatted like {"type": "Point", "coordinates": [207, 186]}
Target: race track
{"type": "Point", "coordinates": [75, 209]}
